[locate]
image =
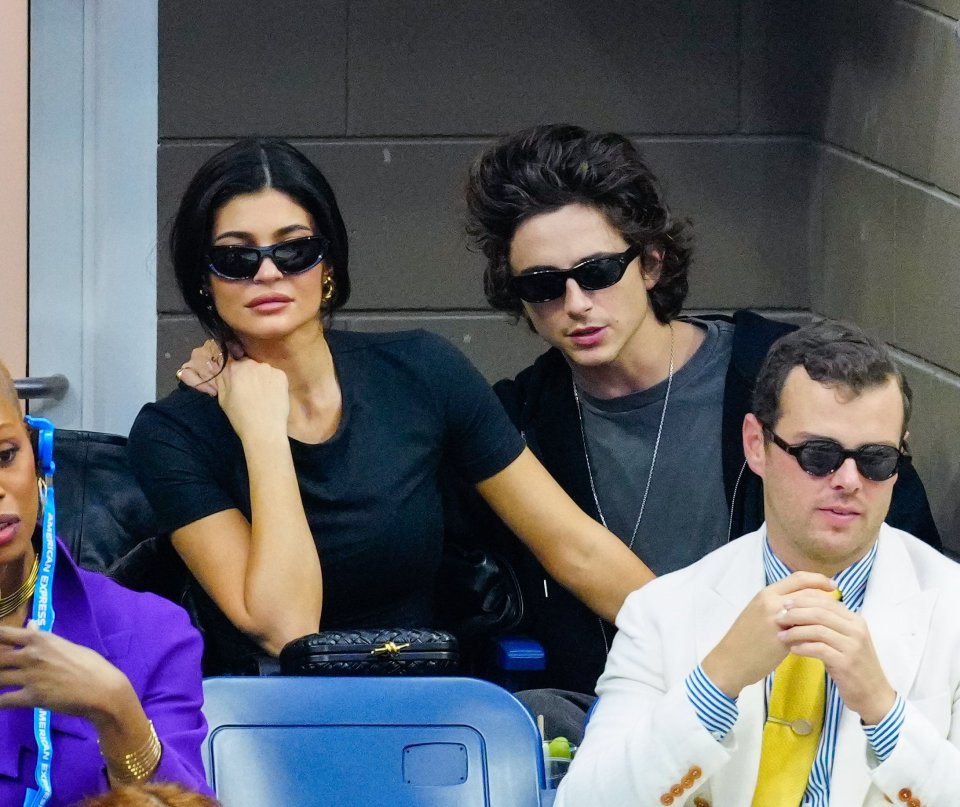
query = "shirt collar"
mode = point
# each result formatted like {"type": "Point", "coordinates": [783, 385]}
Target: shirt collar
{"type": "Point", "coordinates": [852, 581]}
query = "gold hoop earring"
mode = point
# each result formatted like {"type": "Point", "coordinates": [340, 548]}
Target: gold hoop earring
{"type": "Point", "coordinates": [328, 288]}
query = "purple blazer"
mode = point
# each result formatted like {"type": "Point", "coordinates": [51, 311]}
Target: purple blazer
{"type": "Point", "coordinates": [152, 642]}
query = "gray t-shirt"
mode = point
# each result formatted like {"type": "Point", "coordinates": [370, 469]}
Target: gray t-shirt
{"type": "Point", "coordinates": [686, 511]}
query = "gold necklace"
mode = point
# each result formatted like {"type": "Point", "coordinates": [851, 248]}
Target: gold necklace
{"type": "Point", "coordinates": [11, 602]}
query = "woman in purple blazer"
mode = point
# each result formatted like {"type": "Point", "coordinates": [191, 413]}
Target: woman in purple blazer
{"type": "Point", "coordinates": [119, 672]}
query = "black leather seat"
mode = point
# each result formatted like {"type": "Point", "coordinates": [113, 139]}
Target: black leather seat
{"type": "Point", "coordinates": [107, 524]}
{"type": "Point", "coordinates": [104, 518]}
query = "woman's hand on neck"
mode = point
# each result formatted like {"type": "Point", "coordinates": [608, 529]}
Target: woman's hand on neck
{"type": "Point", "coordinates": [304, 356]}
{"type": "Point", "coordinates": [313, 389]}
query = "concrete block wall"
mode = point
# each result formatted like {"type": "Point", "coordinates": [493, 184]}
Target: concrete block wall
{"type": "Point", "coordinates": [795, 148]}
{"type": "Point", "coordinates": [885, 212]}
{"type": "Point", "coordinates": [394, 98]}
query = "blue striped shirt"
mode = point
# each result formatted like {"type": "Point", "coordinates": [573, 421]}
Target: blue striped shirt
{"type": "Point", "coordinates": [718, 713]}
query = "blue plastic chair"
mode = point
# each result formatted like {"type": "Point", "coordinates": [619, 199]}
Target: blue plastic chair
{"type": "Point", "coordinates": [370, 742]}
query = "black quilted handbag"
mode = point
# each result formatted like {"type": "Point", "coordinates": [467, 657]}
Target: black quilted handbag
{"type": "Point", "coordinates": [370, 651]}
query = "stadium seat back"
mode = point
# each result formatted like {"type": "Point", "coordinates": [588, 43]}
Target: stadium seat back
{"type": "Point", "coordinates": [370, 742]}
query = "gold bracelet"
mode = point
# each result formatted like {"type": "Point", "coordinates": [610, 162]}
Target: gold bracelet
{"type": "Point", "coordinates": [138, 766]}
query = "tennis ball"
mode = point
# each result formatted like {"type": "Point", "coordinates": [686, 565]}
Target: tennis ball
{"type": "Point", "coordinates": [559, 747]}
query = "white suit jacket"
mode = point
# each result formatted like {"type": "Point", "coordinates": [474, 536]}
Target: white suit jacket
{"type": "Point", "coordinates": [644, 737]}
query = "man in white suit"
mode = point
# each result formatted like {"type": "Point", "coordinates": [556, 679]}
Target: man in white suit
{"type": "Point", "coordinates": [684, 694]}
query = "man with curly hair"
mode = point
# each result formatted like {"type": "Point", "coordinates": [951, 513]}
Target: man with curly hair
{"type": "Point", "coordinates": [635, 410]}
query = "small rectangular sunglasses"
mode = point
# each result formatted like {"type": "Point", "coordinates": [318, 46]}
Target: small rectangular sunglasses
{"type": "Point", "coordinates": [543, 285]}
{"type": "Point", "coordinates": [240, 262]}
{"type": "Point", "coordinates": [821, 457]}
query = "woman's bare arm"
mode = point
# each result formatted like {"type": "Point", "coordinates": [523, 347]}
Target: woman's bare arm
{"type": "Point", "coordinates": [581, 554]}
{"type": "Point", "coordinates": [263, 574]}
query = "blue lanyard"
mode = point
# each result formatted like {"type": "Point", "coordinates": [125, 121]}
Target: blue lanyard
{"type": "Point", "coordinates": [43, 605]}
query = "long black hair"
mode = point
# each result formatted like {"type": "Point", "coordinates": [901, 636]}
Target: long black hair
{"type": "Point", "coordinates": [250, 166]}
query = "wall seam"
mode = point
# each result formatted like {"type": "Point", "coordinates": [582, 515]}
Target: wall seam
{"type": "Point", "coordinates": [892, 173]}
{"type": "Point", "coordinates": [741, 47]}
{"type": "Point", "coordinates": [942, 374]}
{"type": "Point", "coordinates": [346, 68]}
{"type": "Point", "coordinates": [930, 12]}
{"type": "Point", "coordinates": [222, 141]}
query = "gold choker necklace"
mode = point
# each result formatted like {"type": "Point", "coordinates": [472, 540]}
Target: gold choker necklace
{"type": "Point", "coordinates": [10, 603]}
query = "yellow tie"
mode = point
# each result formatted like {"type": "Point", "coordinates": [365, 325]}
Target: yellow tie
{"type": "Point", "coordinates": [792, 731]}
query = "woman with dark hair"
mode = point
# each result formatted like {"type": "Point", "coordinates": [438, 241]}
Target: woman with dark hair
{"type": "Point", "coordinates": [247, 168]}
{"type": "Point", "coordinates": [307, 493]}
{"type": "Point", "coordinates": [99, 686]}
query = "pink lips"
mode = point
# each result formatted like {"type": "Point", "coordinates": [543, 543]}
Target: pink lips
{"type": "Point", "coordinates": [269, 303]}
{"type": "Point", "coordinates": [8, 528]}
{"type": "Point", "coordinates": [840, 515]}
{"type": "Point", "coordinates": [587, 337]}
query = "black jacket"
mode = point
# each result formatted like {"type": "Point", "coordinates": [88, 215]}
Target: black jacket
{"type": "Point", "coordinates": [540, 402]}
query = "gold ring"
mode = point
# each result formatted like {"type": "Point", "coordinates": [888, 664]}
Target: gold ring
{"type": "Point", "coordinates": [179, 373]}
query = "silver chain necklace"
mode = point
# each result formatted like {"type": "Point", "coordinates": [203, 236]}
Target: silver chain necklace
{"type": "Point", "coordinates": [653, 462]}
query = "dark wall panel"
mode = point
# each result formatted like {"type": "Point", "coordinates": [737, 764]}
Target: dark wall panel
{"type": "Point", "coordinates": [859, 226]}
{"type": "Point", "coordinates": [463, 67]}
{"type": "Point", "coordinates": [894, 88]}
{"type": "Point", "coordinates": [749, 201]}
{"type": "Point", "coordinates": [949, 7]}
{"type": "Point", "coordinates": [177, 335]}
{"type": "Point", "coordinates": [890, 256]}
{"type": "Point", "coordinates": [927, 291]}
{"type": "Point", "coordinates": [241, 67]}
{"type": "Point", "coordinates": [780, 72]}
{"type": "Point", "coordinates": [176, 164]}
{"type": "Point", "coordinates": [403, 206]}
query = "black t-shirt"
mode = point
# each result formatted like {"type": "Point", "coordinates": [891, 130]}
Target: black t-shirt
{"type": "Point", "coordinates": [371, 493]}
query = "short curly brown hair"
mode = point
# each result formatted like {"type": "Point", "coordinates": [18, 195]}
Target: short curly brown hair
{"type": "Point", "coordinates": [544, 168]}
{"type": "Point", "coordinates": [835, 354]}
{"type": "Point", "coordinates": [153, 794]}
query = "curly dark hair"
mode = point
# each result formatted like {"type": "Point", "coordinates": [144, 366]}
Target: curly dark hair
{"type": "Point", "coordinates": [544, 168]}
{"type": "Point", "coordinates": [833, 353]}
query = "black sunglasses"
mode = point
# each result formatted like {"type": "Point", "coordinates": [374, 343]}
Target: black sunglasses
{"type": "Point", "coordinates": [543, 285]}
{"type": "Point", "coordinates": [292, 257]}
{"type": "Point", "coordinates": [876, 461]}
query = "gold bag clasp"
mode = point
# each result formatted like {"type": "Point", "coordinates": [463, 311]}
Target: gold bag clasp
{"type": "Point", "coordinates": [389, 647]}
